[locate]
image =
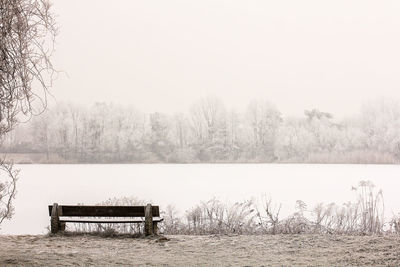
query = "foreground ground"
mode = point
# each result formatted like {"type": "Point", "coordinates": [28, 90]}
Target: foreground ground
{"type": "Point", "coordinates": [217, 250]}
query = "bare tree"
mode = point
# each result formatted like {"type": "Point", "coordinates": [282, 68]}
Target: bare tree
{"type": "Point", "coordinates": [27, 27]}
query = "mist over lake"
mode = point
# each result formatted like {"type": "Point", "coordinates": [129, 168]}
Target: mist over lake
{"type": "Point", "coordinates": [185, 185]}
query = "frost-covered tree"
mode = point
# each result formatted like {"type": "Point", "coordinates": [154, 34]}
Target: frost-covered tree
{"type": "Point", "coordinates": [159, 143]}
{"type": "Point", "coordinates": [182, 139]}
{"type": "Point", "coordinates": [209, 128]}
{"type": "Point", "coordinates": [235, 140]}
{"type": "Point", "coordinates": [294, 141]}
{"type": "Point", "coordinates": [326, 133]}
{"type": "Point", "coordinates": [380, 124]}
{"type": "Point", "coordinates": [263, 120]}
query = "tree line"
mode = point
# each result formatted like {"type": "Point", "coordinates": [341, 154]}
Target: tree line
{"type": "Point", "coordinates": [208, 132]}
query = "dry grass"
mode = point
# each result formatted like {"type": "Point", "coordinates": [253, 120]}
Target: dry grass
{"type": "Point", "coordinates": [364, 216]}
{"type": "Point", "coordinates": [211, 250]}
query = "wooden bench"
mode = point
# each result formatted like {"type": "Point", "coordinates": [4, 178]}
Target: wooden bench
{"type": "Point", "coordinates": [61, 214]}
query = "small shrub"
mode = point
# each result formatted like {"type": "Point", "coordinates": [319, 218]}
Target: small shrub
{"type": "Point", "coordinates": [110, 229]}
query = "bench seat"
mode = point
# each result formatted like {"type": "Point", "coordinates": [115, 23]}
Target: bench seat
{"type": "Point", "coordinates": [107, 220]}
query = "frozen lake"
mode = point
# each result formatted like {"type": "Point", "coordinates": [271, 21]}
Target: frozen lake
{"type": "Point", "coordinates": [188, 184]}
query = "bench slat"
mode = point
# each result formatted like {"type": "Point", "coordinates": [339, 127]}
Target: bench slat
{"type": "Point", "coordinates": [105, 211]}
{"type": "Point", "coordinates": [105, 220]}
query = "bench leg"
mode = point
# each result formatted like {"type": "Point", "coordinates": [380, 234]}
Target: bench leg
{"type": "Point", "coordinates": [61, 226]}
{"type": "Point", "coordinates": [55, 219]}
{"type": "Point", "coordinates": [148, 223]}
{"type": "Point", "coordinates": [155, 228]}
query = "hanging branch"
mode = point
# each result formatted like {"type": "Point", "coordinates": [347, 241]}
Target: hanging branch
{"type": "Point", "coordinates": [8, 189]}
{"type": "Point", "coordinates": [27, 32]}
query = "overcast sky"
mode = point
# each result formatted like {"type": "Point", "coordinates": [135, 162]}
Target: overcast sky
{"type": "Point", "coordinates": [165, 55]}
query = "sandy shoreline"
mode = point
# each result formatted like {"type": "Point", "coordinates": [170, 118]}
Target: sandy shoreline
{"type": "Point", "coordinates": [179, 250]}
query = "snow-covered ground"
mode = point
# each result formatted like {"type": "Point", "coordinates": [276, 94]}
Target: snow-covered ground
{"type": "Point", "coordinates": [213, 250]}
{"type": "Point", "coordinates": [187, 184]}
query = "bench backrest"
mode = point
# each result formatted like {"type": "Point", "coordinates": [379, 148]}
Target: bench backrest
{"type": "Point", "coordinates": [104, 211]}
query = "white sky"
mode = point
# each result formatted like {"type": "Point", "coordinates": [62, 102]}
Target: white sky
{"type": "Point", "coordinates": [165, 55]}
